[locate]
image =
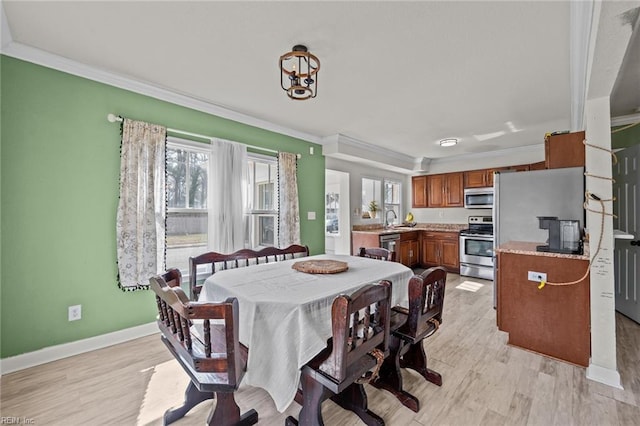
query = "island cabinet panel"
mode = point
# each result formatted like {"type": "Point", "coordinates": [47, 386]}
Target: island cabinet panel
{"type": "Point", "coordinates": [408, 249]}
{"type": "Point", "coordinates": [554, 320]}
{"type": "Point", "coordinates": [363, 239]}
{"type": "Point", "coordinates": [419, 190]}
{"type": "Point", "coordinates": [441, 249]}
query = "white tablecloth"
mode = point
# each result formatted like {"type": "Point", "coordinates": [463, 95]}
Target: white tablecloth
{"type": "Point", "coordinates": [285, 315]}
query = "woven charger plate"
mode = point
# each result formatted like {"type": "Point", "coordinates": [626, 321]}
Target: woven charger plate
{"type": "Point", "coordinates": [320, 266]}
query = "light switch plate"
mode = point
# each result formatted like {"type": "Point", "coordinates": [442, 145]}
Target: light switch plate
{"type": "Point", "coordinates": [311, 215]}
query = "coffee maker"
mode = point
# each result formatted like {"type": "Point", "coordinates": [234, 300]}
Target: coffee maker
{"type": "Point", "coordinates": [564, 235]}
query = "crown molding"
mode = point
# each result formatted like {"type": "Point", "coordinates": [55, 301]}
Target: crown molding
{"type": "Point", "coordinates": [49, 60]}
{"type": "Point", "coordinates": [350, 149]}
{"type": "Point", "coordinates": [489, 154]}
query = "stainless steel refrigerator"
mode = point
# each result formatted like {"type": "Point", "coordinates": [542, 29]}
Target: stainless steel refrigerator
{"type": "Point", "coordinates": [520, 197]}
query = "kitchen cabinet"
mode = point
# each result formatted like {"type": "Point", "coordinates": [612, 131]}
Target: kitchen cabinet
{"type": "Point", "coordinates": [441, 249]}
{"type": "Point", "coordinates": [484, 177]}
{"type": "Point", "coordinates": [419, 190]}
{"type": "Point", "coordinates": [554, 320]}
{"type": "Point", "coordinates": [475, 178]}
{"type": "Point", "coordinates": [408, 249]}
{"type": "Point", "coordinates": [538, 166]}
{"type": "Point", "coordinates": [445, 190]}
{"type": "Point", "coordinates": [565, 150]}
{"type": "Point", "coordinates": [479, 178]}
{"type": "Point", "coordinates": [518, 168]}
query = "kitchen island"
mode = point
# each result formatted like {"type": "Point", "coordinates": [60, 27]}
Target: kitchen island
{"type": "Point", "coordinates": [553, 320]}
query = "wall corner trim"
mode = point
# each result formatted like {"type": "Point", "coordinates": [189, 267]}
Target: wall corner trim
{"type": "Point", "coordinates": [604, 375]}
{"type": "Point", "coordinates": [54, 353]}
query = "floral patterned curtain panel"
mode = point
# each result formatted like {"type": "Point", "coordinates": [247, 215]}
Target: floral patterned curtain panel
{"type": "Point", "coordinates": [140, 222]}
{"type": "Point", "coordinates": [289, 223]}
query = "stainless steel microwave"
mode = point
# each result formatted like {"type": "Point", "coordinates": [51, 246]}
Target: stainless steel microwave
{"type": "Point", "coordinates": [478, 198]}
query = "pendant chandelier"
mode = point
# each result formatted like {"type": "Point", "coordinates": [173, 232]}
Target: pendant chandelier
{"type": "Point", "coordinates": [299, 73]}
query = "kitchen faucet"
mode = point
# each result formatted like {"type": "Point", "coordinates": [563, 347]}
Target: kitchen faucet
{"type": "Point", "coordinates": [386, 217]}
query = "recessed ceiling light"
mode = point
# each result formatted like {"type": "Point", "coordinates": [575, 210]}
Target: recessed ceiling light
{"type": "Point", "coordinates": [448, 142]}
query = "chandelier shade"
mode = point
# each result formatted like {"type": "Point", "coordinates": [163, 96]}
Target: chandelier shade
{"type": "Point", "coordinates": [299, 73]}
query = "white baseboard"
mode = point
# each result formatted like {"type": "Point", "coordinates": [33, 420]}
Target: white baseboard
{"type": "Point", "coordinates": [604, 375]}
{"type": "Point", "coordinates": [53, 353]}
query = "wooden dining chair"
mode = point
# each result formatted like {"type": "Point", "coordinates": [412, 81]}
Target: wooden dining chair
{"type": "Point", "coordinates": [173, 277]}
{"type": "Point", "coordinates": [377, 253]}
{"type": "Point", "coordinates": [360, 326]}
{"type": "Point", "coordinates": [238, 259]}
{"type": "Point", "coordinates": [409, 327]}
{"type": "Point", "coordinates": [213, 357]}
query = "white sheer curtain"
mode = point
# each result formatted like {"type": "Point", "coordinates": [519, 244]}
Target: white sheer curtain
{"type": "Point", "coordinates": [140, 219]}
{"type": "Point", "coordinates": [289, 217]}
{"type": "Point", "coordinates": [227, 185]}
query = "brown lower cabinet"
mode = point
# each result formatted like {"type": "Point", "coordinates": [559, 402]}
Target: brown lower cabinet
{"type": "Point", "coordinates": [441, 249]}
{"type": "Point", "coordinates": [408, 249]}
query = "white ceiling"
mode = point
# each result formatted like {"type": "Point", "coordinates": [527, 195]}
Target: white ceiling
{"type": "Point", "coordinates": [399, 75]}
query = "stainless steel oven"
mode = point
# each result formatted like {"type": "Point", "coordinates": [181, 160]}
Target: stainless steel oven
{"type": "Point", "coordinates": [476, 248]}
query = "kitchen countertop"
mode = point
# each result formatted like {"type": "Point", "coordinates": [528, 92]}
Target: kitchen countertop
{"type": "Point", "coordinates": [437, 227]}
{"type": "Point", "coordinates": [529, 248]}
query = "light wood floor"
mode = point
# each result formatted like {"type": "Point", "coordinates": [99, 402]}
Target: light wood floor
{"type": "Point", "coordinates": [486, 382]}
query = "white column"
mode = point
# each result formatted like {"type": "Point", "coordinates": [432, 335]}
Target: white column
{"type": "Point", "coordinates": [602, 367]}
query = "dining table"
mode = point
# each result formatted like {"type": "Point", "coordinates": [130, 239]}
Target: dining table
{"type": "Point", "coordinates": [285, 314]}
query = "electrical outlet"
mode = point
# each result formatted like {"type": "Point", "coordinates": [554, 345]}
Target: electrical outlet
{"type": "Point", "coordinates": [75, 312]}
{"type": "Point", "coordinates": [537, 276]}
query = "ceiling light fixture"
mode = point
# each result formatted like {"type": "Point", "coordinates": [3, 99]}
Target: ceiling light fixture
{"type": "Point", "coordinates": [297, 71]}
{"type": "Point", "coordinates": [448, 142]}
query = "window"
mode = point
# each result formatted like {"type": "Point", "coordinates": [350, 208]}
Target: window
{"type": "Point", "coordinates": [186, 226]}
{"type": "Point", "coordinates": [187, 206]}
{"type": "Point", "coordinates": [332, 213]}
{"type": "Point", "coordinates": [262, 193]}
{"type": "Point", "coordinates": [392, 192]}
{"type": "Point", "coordinates": [370, 192]}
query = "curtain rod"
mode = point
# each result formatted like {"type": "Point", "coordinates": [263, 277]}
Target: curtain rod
{"type": "Point", "coordinates": [113, 118]}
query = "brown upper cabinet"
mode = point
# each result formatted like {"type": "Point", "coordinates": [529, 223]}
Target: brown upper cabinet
{"type": "Point", "coordinates": [538, 166]}
{"type": "Point", "coordinates": [419, 189]}
{"type": "Point", "coordinates": [484, 177]}
{"type": "Point", "coordinates": [478, 178]}
{"type": "Point", "coordinates": [565, 150]}
{"type": "Point", "coordinates": [445, 190]}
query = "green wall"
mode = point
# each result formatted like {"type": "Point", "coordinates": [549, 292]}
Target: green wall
{"type": "Point", "coordinates": [625, 138]}
{"type": "Point", "coordinates": [59, 192]}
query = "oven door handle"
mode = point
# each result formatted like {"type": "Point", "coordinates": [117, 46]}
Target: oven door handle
{"type": "Point", "coordinates": [481, 238]}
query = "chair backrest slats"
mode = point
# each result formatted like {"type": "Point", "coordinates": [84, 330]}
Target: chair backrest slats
{"type": "Point", "coordinates": [360, 324]}
{"type": "Point", "coordinates": [237, 259]}
{"type": "Point", "coordinates": [426, 300]}
{"type": "Point", "coordinates": [379, 253]}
